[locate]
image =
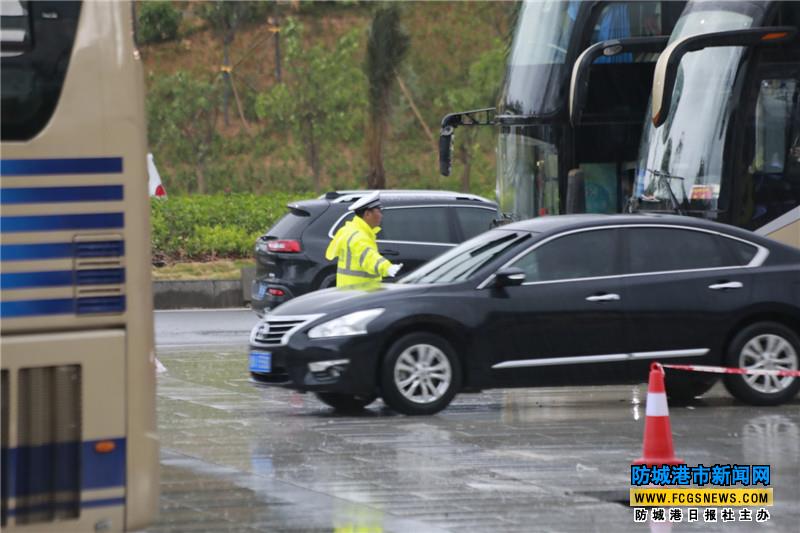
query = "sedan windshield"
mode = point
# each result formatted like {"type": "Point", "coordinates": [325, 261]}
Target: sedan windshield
{"type": "Point", "coordinates": [467, 258]}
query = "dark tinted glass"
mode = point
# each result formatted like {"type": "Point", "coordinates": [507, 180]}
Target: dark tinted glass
{"type": "Point", "coordinates": [773, 138]}
{"type": "Point", "coordinates": [474, 221]}
{"type": "Point", "coordinates": [37, 44]}
{"type": "Point", "coordinates": [341, 222]}
{"type": "Point", "coordinates": [579, 255]}
{"type": "Point", "coordinates": [463, 261]}
{"type": "Point", "coordinates": [415, 224]}
{"type": "Point", "coordinates": [665, 249]}
{"type": "Point", "coordinates": [742, 253]}
{"type": "Point", "coordinates": [291, 225]}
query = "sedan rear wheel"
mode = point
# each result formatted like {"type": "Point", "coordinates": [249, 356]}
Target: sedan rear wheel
{"type": "Point", "coordinates": [420, 375]}
{"type": "Point", "coordinates": [764, 346]}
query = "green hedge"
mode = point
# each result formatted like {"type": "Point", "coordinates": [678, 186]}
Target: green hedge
{"type": "Point", "coordinates": [207, 227]}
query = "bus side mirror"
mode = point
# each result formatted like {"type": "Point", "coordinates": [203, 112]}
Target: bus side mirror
{"type": "Point", "coordinates": [446, 150]}
{"type": "Point", "coordinates": [667, 66]}
{"type": "Point", "coordinates": [579, 83]}
{"type": "Point", "coordinates": [475, 117]}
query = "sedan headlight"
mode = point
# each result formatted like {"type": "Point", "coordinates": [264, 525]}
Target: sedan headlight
{"type": "Point", "coordinates": [352, 324]}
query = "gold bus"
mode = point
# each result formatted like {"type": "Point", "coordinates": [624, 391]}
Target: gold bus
{"type": "Point", "coordinates": [79, 443]}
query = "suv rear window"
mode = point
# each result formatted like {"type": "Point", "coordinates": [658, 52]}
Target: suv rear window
{"type": "Point", "coordinates": [291, 225]}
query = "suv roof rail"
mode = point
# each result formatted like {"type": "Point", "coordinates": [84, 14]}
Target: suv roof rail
{"type": "Point", "coordinates": [352, 195]}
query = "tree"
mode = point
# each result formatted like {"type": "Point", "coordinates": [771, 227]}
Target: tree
{"type": "Point", "coordinates": [322, 97]}
{"type": "Point", "coordinates": [158, 21]}
{"type": "Point", "coordinates": [182, 114]}
{"type": "Point", "coordinates": [224, 19]}
{"type": "Point", "coordinates": [479, 90]}
{"type": "Point", "coordinates": [387, 45]}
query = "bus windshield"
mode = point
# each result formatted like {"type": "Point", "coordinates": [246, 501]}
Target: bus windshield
{"type": "Point", "coordinates": [680, 163]}
{"type": "Point", "coordinates": [536, 65]}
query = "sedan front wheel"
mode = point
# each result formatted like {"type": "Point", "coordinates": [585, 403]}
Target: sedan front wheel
{"type": "Point", "coordinates": [420, 374]}
{"type": "Point", "coordinates": [764, 346]}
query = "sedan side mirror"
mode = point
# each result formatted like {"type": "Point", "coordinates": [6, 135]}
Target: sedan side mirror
{"type": "Point", "coordinates": [509, 277]}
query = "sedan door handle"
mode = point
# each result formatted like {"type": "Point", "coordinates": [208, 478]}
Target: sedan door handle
{"type": "Point", "coordinates": [390, 252]}
{"type": "Point", "coordinates": [603, 298]}
{"type": "Point", "coordinates": [726, 285]}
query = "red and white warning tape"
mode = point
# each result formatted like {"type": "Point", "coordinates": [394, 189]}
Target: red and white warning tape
{"type": "Point", "coordinates": [725, 370]}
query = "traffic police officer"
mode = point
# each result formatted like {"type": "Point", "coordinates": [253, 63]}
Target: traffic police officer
{"type": "Point", "coordinates": [355, 245]}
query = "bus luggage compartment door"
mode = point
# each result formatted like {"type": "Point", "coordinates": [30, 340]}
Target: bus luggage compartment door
{"type": "Point", "coordinates": [63, 431]}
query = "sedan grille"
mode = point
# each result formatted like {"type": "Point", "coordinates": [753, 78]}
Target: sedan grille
{"type": "Point", "coordinates": [274, 331]}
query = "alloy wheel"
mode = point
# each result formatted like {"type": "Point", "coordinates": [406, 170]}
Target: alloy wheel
{"type": "Point", "coordinates": [768, 352]}
{"type": "Point", "coordinates": [422, 373]}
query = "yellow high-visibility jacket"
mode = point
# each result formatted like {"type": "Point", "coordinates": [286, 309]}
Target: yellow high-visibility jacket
{"type": "Point", "coordinates": [359, 261]}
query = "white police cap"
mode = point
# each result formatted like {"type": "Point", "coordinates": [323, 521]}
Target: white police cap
{"type": "Point", "coordinates": [369, 201]}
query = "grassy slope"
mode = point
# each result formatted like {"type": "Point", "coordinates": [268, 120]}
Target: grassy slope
{"type": "Point", "coordinates": [445, 38]}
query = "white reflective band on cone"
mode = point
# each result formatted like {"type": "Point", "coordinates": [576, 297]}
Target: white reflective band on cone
{"type": "Point", "coordinates": [657, 404]}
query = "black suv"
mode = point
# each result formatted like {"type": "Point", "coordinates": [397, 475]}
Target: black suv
{"type": "Point", "coordinates": [417, 226]}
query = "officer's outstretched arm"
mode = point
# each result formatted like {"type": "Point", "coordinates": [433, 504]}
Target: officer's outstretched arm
{"type": "Point", "coordinates": [369, 260]}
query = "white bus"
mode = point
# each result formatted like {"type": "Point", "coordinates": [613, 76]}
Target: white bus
{"type": "Point", "coordinates": [79, 443]}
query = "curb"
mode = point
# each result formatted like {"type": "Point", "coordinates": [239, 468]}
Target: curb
{"type": "Point", "coordinates": [203, 294]}
{"type": "Point", "coordinates": [208, 294]}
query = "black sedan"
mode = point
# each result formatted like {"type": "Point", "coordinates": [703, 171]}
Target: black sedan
{"type": "Point", "coordinates": [567, 300]}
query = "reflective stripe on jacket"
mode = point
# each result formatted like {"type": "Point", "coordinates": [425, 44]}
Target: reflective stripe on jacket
{"type": "Point", "coordinates": [359, 261]}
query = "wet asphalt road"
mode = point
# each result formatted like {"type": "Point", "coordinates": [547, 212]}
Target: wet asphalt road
{"type": "Point", "coordinates": [238, 457]}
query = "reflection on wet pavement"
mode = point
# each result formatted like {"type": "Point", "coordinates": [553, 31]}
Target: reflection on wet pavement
{"type": "Point", "coordinates": [238, 457]}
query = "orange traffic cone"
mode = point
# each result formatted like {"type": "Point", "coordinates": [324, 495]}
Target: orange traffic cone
{"type": "Point", "coordinates": [657, 449]}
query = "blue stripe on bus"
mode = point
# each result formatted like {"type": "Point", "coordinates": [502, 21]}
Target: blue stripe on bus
{"type": "Point", "coordinates": [100, 304]}
{"type": "Point", "coordinates": [68, 466]}
{"type": "Point", "coordinates": [23, 308]}
{"type": "Point", "coordinates": [85, 504]}
{"type": "Point", "coordinates": [56, 250]}
{"type": "Point", "coordinates": [49, 167]}
{"type": "Point", "coordinates": [58, 278]}
{"type": "Point", "coordinates": [62, 306]}
{"type": "Point", "coordinates": [27, 280]}
{"type": "Point", "coordinates": [41, 195]}
{"type": "Point", "coordinates": [15, 224]}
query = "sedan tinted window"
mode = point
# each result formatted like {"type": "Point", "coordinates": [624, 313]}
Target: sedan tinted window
{"type": "Point", "coordinates": [742, 252]}
{"type": "Point", "coordinates": [474, 220]}
{"type": "Point", "coordinates": [666, 249]}
{"type": "Point", "coordinates": [586, 254]}
{"type": "Point", "coordinates": [415, 224]}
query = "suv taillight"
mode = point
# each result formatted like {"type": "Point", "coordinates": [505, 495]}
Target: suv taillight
{"type": "Point", "coordinates": [284, 246]}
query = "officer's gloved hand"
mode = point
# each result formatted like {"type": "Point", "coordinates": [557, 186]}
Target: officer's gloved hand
{"type": "Point", "coordinates": [394, 269]}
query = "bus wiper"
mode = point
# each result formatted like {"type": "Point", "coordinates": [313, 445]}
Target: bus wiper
{"type": "Point", "coordinates": [664, 178]}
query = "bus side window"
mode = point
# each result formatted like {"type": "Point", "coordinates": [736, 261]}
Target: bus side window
{"type": "Point", "coordinates": [37, 39]}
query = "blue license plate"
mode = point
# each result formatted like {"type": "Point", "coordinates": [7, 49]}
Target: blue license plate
{"type": "Point", "coordinates": [259, 290]}
{"type": "Point", "coordinates": [260, 362]}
